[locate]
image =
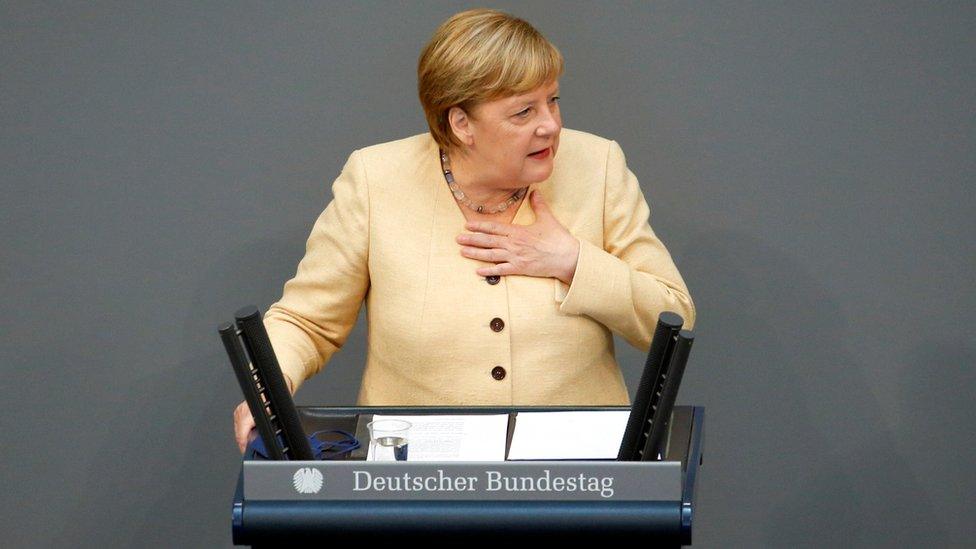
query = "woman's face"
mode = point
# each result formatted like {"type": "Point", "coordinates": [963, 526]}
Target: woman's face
{"type": "Point", "coordinates": [503, 133]}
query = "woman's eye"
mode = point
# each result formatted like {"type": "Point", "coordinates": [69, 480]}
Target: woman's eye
{"type": "Point", "coordinates": [525, 113]}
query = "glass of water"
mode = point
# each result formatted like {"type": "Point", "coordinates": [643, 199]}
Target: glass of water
{"type": "Point", "coordinates": [388, 440]}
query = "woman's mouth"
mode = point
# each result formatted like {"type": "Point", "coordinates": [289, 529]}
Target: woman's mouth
{"type": "Point", "coordinates": [544, 153]}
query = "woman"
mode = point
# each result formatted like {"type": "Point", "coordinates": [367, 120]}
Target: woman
{"type": "Point", "coordinates": [496, 253]}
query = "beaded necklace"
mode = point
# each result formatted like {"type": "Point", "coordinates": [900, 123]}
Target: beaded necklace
{"type": "Point", "coordinates": [463, 199]}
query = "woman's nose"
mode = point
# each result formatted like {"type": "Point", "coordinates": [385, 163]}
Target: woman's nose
{"type": "Point", "coordinates": [548, 125]}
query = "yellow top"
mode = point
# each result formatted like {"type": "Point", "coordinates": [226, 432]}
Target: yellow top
{"type": "Point", "coordinates": [439, 334]}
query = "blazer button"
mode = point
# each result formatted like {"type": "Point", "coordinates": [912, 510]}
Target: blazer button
{"type": "Point", "coordinates": [498, 373]}
{"type": "Point", "coordinates": [497, 324]}
{"type": "Point", "coordinates": [493, 279]}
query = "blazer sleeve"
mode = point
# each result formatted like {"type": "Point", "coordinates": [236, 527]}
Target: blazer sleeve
{"type": "Point", "coordinates": [319, 306]}
{"type": "Point", "coordinates": [631, 280]}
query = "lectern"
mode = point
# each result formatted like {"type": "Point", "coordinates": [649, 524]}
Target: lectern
{"type": "Point", "coordinates": [641, 501]}
{"type": "Point", "coordinates": [645, 494]}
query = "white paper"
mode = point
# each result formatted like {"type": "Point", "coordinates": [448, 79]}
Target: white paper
{"type": "Point", "coordinates": [455, 437]}
{"type": "Point", "coordinates": [592, 434]}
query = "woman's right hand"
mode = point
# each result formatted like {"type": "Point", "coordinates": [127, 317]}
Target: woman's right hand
{"type": "Point", "coordinates": [244, 421]}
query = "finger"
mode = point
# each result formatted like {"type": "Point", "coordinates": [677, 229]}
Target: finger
{"type": "Point", "coordinates": [539, 205]}
{"type": "Point", "coordinates": [243, 423]}
{"type": "Point", "coordinates": [500, 269]}
{"type": "Point", "coordinates": [238, 425]}
{"type": "Point", "coordinates": [482, 240]}
{"type": "Point", "coordinates": [489, 227]}
{"type": "Point", "coordinates": [493, 255]}
{"type": "Point", "coordinates": [537, 200]}
{"type": "Point", "coordinates": [244, 434]}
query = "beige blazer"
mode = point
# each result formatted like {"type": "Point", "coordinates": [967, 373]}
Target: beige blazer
{"type": "Point", "coordinates": [439, 334]}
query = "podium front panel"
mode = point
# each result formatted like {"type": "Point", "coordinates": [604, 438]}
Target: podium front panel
{"type": "Point", "coordinates": [315, 501]}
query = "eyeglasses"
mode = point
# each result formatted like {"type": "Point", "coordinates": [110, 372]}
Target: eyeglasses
{"type": "Point", "coordinates": [337, 446]}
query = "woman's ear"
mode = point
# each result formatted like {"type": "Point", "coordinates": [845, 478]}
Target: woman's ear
{"type": "Point", "coordinates": [460, 125]}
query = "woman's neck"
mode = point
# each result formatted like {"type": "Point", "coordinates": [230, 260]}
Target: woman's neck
{"type": "Point", "coordinates": [477, 183]}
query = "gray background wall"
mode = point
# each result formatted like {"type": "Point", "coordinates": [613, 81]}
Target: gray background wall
{"type": "Point", "coordinates": [810, 166]}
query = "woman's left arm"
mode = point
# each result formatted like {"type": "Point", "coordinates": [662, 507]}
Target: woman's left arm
{"type": "Point", "coordinates": [631, 280]}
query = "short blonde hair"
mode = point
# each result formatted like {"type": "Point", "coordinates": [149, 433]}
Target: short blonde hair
{"type": "Point", "coordinates": [480, 55]}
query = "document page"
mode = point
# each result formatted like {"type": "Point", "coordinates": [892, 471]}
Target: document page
{"type": "Point", "coordinates": [454, 437]}
{"type": "Point", "coordinates": [568, 435]}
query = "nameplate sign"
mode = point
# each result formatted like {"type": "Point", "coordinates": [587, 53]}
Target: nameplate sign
{"type": "Point", "coordinates": [519, 481]}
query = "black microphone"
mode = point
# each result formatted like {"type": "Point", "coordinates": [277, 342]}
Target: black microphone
{"type": "Point", "coordinates": [645, 400]}
{"type": "Point", "coordinates": [264, 387]}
